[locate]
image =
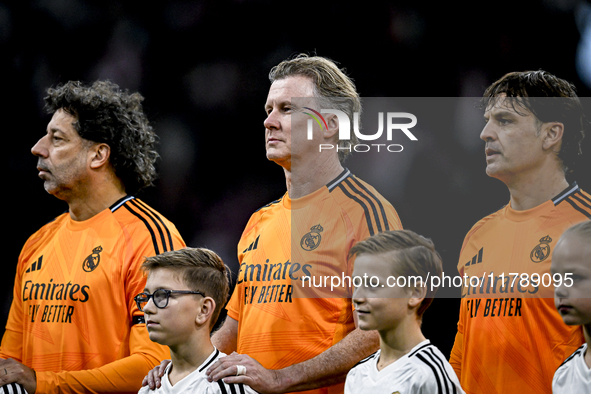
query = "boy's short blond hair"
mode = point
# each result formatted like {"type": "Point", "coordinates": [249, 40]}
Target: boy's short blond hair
{"type": "Point", "coordinates": [200, 269]}
{"type": "Point", "coordinates": [411, 254]}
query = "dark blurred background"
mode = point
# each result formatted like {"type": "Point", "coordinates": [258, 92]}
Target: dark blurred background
{"type": "Point", "coordinates": [202, 67]}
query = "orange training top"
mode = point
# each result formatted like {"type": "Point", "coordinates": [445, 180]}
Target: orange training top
{"type": "Point", "coordinates": [510, 336]}
{"type": "Point", "coordinates": [73, 318]}
{"type": "Point", "coordinates": [286, 240]}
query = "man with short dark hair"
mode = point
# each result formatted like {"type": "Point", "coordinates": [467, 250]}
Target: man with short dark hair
{"type": "Point", "coordinates": [73, 326]}
{"type": "Point", "coordinates": [510, 338]}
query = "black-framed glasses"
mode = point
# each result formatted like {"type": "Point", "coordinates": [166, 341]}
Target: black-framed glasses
{"type": "Point", "coordinates": [160, 297]}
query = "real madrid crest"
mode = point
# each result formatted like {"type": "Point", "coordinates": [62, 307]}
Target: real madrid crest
{"type": "Point", "coordinates": [542, 250]}
{"type": "Point", "coordinates": [93, 260]}
{"type": "Point", "coordinates": [311, 240]}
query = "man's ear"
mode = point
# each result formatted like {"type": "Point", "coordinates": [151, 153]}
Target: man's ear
{"type": "Point", "coordinates": [206, 309]}
{"type": "Point", "coordinates": [553, 136]}
{"type": "Point", "coordinates": [99, 155]}
{"type": "Point", "coordinates": [332, 121]}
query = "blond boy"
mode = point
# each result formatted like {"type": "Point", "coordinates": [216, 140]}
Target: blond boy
{"type": "Point", "coordinates": [391, 294]}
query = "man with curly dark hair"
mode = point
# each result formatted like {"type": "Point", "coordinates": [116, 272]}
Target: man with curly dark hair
{"type": "Point", "coordinates": [105, 114]}
{"type": "Point", "coordinates": [73, 326]}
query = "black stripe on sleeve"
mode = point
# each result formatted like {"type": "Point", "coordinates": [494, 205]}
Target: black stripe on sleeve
{"type": "Point", "coordinates": [368, 200]}
{"type": "Point", "coordinates": [241, 388]}
{"type": "Point", "coordinates": [419, 349]}
{"type": "Point", "coordinates": [150, 229]}
{"type": "Point", "coordinates": [12, 388]}
{"type": "Point", "coordinates": [222, 387]}
{"type": "Point", "coordinates": [583, 196]}
{"type": "Point", "coordinates": [362, 204]}
{"type": "Point", "coordinates": [423, 359]}
{"type": "Point", "coordinates": [380, 206]}
{"type": "Point", "coordinates": [429, 352]}
{"type": "Point", "coordinates": [575, 206]}
{"type": "Point", "coordinates": [159, 218]}
{"type": "Point", "coordinates": [232, 388]}
{"type": "Point", "coordinates": [154, 221]}
{"type": "Point", "coordinates": [582, 199]}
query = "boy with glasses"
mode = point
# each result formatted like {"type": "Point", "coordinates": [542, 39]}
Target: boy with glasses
{"type": "Point", "coordinates": [185, 292]}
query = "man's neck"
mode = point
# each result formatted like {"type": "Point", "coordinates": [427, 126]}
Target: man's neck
{"type": "Point", "coordinates": [531, 191]}
{"type": "Point", "coordinates": [309, 177]}
{"type": "Point", "coordinates": [90, 200]}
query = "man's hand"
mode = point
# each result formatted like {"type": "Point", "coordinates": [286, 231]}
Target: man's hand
{"type": "Point", "coordinates": [328, 368]}
{"type": "Point", "coordinates": [11, 371]}
{"type": "Point", "coordinates": [153, 378]}
{"type": "Point", "coordinates": [256, 376]}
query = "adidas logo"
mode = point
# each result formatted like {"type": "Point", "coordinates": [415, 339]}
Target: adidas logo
{"type": "Point", "coordinates": [36, 265]}
{"type": "Point", "coordinates": [476, 259]}
{"type": "Point", "coordinates": [252, 246]}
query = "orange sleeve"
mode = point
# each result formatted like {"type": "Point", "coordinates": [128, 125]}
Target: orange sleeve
{"type": "Point", "coordinates": [11, 345]}
{"type": "Point", "coordinates": [125, 374]}
{"type": "Point", "coordinates": [12, 341]}
{"type": "Point", "coordinates": [246, 241]}
{"type": "Point", "coordinates": [233, 305]}
{"type": "Point", "coordinates": [117, 377]}
{"type": "Point", "coordinates": [457, 350]}
{"type": "Point", "coordinates": [68, 363]}
{"type": "Point", "coordinates": [456, 354]}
